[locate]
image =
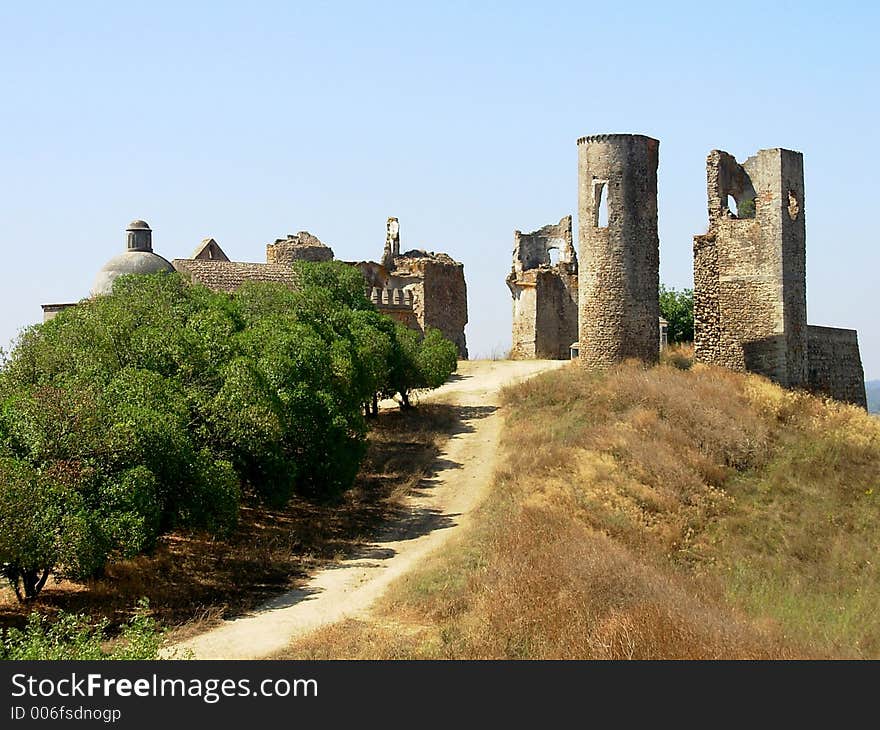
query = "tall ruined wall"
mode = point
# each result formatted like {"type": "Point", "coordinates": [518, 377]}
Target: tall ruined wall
{"type": "Point", "coordinates": [750, 268]}
{"type": "Point", "coordinates": [525, 313]}
{"type": "Point", "coordinates": [545, 317]}
{"type": "Point", "coordinates": [430, 286]}
{"type": "Point", "coordinates": [834, 364]}
{"type": "Point", "coordinates": [619, 276]}
{"type": "Point", "coordinates": [301, 247]}
{"type": "Point", "coordinates": [556, 314]}
{"type": "Point", "coordinates": [440, 299]}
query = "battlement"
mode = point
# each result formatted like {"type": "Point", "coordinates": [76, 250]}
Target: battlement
{"type": "Point", "coordinates": [614, 138]}
{"type": "Point", "coordinates": [390, 297]}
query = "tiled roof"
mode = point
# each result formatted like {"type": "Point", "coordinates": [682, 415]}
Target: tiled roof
{"type": "Point", "coordinates": [229, 275]}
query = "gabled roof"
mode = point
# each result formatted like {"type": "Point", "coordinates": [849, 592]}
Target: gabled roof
{"type": "Point", "coordinates": [209, 250]}
{"type": "Point", "coordinates": [229, 275]}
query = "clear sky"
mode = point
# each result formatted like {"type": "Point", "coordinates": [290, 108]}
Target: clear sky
{"type": "Point", "coordinates": [247, 121]}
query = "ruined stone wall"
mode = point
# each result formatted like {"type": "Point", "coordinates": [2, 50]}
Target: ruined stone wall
{"type": "Point", "coordinates": [525, 311]}
{"type": "Point", "coordinates": [545, 315]}
{"type": "Point", "coordinates": [544, 294]}
{"type": "Point", "coordinates": [556, 314]}
{"type": "Point", "coordinates": [834, 364]}
{"type": "Point", "coordinates": [750, 268]}
{"type": "Point", "coordinates": [301, 247]}
{"type": "Point", "coordinates": [619, 276]}
{"type": "Point", "coordinates": [440, 298]}
{"type": "Point", "coordinates": [430, 286]}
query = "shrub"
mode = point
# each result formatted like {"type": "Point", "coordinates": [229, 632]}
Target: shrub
{"type": "Point", "coordinates": [74, 637]}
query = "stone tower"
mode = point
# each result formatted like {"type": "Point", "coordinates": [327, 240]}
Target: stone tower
{"type": "Point", "coordinates": [750, 300]}
{"type": "Point", "coordinates": [619, 249]}
{"type": "Point", "coordinates": [392, 243]}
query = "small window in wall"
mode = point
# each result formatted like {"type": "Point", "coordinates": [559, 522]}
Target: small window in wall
{"type": "Point", "coordinates": [731, 206]}
{"type": "Point", "coordinates": [600, 203]}
{"type": "Point", "coordinates": [794, 207]}
{"type": "Point", "coordinates": [553, 253]}
{"type": "Point", "coordinates": [743, 208]}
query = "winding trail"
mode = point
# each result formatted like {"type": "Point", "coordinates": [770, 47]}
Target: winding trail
{"type": "Point", "coordinates": [436, 510]}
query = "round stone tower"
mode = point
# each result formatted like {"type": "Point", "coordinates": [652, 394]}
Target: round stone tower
{"type": "Point", "coordinates": [619, 250]}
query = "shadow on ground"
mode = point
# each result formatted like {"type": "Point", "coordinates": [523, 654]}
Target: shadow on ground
{"type": "Point", "coordinates": [192, 581]}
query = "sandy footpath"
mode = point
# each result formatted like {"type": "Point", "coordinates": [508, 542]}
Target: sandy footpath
{"type": "Point", "coordinates": [440, 506]}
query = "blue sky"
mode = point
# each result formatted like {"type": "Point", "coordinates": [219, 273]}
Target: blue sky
{"type": "Point", "coordinates": [249, 121]}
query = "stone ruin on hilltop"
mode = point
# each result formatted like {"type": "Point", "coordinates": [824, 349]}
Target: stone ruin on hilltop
{"type": "Point", "coordinates": [418, 288]}
{"type": "Point", "coordinates": [750, 307]}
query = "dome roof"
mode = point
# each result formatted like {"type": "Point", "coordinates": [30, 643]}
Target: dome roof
{"type": "Point", "coordinates": [130, 262]}
{"type": "Point", "coordinates": [138, 225]}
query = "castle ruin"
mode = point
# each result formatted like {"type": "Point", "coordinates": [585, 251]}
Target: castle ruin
{"type": "Point", "coordinates": [420, 289]}
{"type": "Point", "coordinates": [433, 282]}
{"type": "Point", "coordinates": [750, 301]}
{"type": "Point", "coordinates": [750, 292]}
{"type": "Point", "coordinates": [545, 293]}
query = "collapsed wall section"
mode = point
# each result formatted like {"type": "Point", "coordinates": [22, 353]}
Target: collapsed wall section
{"type": "Point", "coordinates": [834, 364]}
{"type": "Point", "coordinates": [544, 292]}
{"type": "Point", "coordinates": [300, 247]}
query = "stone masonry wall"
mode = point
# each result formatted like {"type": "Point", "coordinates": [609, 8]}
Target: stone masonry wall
{"type": "Point", "coordinates": [301, 247]}
{"type": "Point", "coordinates": [750, 268]}
{"type": "Point", "coordinates": [440, 298]}
{"type": "Point", "coordinates": [545, 316]}
{"type": "Point", "coordinates": [619, 274]}
{"type": "Point", "coordinates": [525, 312]}
{"type": "Point", "coordinates": [431, 284]}
{"type": "Point", "coordinates": [557, 314]}
{"type": "Point", "coordinates": [834, 364]}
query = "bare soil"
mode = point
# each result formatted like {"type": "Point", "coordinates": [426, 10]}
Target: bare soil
{"type": "Point", "coordinates": [438, 506]}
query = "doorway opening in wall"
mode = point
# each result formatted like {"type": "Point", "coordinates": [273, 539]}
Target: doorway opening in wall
{"type": "Point", "coordinates": [600, 203]}
{"type": "Point", "coordinates": [553, 253]}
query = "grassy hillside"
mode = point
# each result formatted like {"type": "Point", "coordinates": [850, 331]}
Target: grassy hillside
{"type": "Point", "coordinates": [657, 513]}
{"type": "Point", "coordinates": [873, 389]}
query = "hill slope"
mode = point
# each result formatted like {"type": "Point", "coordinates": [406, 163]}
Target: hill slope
{"type": "Point", "coordinates": [653, 514]}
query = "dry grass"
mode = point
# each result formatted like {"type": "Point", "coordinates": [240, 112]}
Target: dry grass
{"type": "Point", "coordinates": [193, 581]}
{"type": "Point", "coordinates": [655, 513]}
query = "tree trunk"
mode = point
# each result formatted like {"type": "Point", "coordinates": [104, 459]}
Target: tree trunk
{"type": "Point", "coordinates": [29, 580]}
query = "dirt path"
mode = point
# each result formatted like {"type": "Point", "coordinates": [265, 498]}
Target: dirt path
{"type": "Point", "coordinates": [440, 506]}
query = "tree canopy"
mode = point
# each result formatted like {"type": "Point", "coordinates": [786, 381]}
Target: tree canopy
{"type": "Point", "coordinates": [159, 406]}
{"type": "Point", "coordinates": [677, 308]}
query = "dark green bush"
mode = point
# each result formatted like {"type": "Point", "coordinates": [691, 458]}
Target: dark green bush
{"type": "Point", "coordinates": [154, 407]}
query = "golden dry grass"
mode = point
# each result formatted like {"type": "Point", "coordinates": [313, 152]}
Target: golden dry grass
{"type": "Point", "coordinates": [653, 513]}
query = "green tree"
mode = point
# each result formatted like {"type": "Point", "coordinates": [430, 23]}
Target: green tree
{"type": "Point", "coordinates": [420, 362]}
{"type": "Point", "coordinates": [677, 308]}
{"type": "Point", "coordinates": [155, 407]}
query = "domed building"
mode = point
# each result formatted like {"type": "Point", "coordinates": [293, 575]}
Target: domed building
{"type": "Point", "coordinates": [137, 259]}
